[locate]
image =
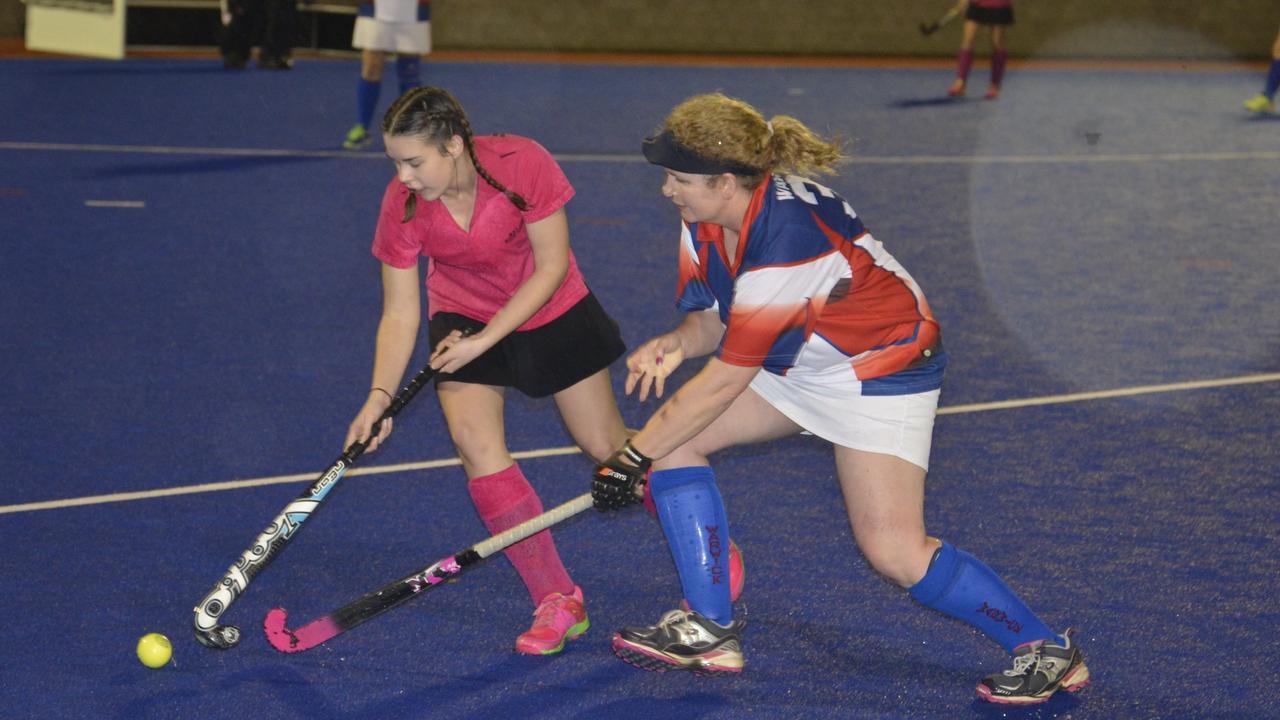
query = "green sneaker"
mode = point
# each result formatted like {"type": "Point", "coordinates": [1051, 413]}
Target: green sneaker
{"type": "Point", "coordinates": [357, 137]}
{"type": "Point", "coordinates": [1260, 104]}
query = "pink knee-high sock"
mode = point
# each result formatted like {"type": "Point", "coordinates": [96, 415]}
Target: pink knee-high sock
{"type": "Point", "coordinates": [964, 61]}
{"type": "Point", "coordinates": [506, 499]}
{"type": "Point", "coordinates": [998, 59]}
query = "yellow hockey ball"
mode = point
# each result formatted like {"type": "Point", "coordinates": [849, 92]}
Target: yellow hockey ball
{"type": "Point", "coordinates": [154, 650]}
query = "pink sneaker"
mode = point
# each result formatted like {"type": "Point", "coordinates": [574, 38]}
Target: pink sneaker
{"type": "Point", "coordinates": [559, 617]}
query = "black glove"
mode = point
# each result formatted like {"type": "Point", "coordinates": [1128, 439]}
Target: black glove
{"type": "Point", "coordinates": [618, 480]}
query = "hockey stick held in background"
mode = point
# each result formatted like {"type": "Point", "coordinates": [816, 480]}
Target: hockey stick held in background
{"type": "Point", "coordinates": [933, 27]}
{"type": "Point", "coordinates": [285, 525]}
{"type": "Point", "coordinates": [389, 596]}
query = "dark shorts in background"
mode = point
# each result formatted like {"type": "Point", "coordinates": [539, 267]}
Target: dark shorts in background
{"type": "Point", "coordinates": [989, 16]}
{"type": "Point", "coordinates": [544, 360]}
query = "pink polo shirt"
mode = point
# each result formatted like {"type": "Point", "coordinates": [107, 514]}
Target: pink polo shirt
{"type": "Point", "coordinates": [475, 273]}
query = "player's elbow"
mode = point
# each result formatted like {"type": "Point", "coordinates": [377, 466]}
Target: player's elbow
{"type": "Point", "coordinates": [726, 382]}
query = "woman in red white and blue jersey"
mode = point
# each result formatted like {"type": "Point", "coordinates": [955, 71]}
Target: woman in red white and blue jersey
{"type": "Point", "coordinates": [812, 326]}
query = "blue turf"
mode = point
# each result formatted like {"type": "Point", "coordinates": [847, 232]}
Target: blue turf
{"type": "Point", "coordinates": [225, 332]}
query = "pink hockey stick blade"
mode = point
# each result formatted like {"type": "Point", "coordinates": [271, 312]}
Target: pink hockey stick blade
{"type": "Point", "coordinates": [304, 638]}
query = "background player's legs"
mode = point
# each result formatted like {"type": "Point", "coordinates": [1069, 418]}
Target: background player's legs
{"type": "Point", "coordinates": [999, 57]}
{"type": "Point", "coordinates": [964, 59]}
{"type": "Point", "coordinates": [408, 71]}
{"type": "Point", "coordinates": [1266, 100]}
{"type": "Point", "coordinates": [279, 21]}
{"type": "Point", "coordinates": [237, 35]}
{"type": "Point", "coordinates": [367, 90]}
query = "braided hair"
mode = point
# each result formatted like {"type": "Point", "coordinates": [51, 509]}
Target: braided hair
{"type": "Point", "coordinates": [435, 116]}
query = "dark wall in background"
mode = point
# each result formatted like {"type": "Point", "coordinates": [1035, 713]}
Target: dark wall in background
{"type": "Point", "coordinates": [1157, 29]}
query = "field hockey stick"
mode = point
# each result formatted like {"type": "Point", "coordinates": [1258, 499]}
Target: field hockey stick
{"type": "Point", "coordinates": [933, 27]}
{"type": "Point", "coordinates": [406, 588]}
{"type": "Point", "coordinates": [272, 540]}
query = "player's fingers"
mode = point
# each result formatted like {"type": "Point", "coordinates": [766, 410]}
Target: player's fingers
{"type": "Point", "coordinates": [633, 376]}
{"type": "Point", "coordinates": [646, 382]}
{"type": "Point", "coordinates": [659, 385]}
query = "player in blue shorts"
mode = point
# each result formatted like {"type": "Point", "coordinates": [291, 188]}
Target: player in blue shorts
{"type": "Point", "coordinates": [812, 326]}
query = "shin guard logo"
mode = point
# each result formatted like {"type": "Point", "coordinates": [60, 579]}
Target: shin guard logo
{"type": "Point", "coordinates": [715, 548]}
{"type": "Point", "coordinates": [1000, 616]}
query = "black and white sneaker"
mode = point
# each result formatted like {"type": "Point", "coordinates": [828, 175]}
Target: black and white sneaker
{"type": "Point", "coordinates": [1040, 669]}
{"type": "Point", "coordinates": [683, 640]}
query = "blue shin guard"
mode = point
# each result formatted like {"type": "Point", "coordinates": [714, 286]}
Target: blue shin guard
{"type": "Point", "coordinates": [408, 72]}
{"type": "Point", "coordinates": [693, 518]}
{"type": "Point", "coordinates": [366, 101]}
{"type": "Point", "coordinates": [960, 585]}
{"type": "Point", "coordinates": [1273, 80]}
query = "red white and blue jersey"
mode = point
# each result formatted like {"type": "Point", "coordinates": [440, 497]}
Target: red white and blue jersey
{"type": "Point", "coordinates": [810, 293]}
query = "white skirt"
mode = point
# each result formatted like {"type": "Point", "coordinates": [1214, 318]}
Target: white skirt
{"type": "Point", "coordinates": [397, 37]}
{"type": "Point", "coordinates": [835, 410]}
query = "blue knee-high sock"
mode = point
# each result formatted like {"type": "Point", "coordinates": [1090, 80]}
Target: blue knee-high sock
{"type": "Point", "coordinates": [367, 100]}
{"type": "Point", "coordinates": [693, 518]}
{"type": "Point", "coordinates": [1273, 79]}
{"type": "Point", "coordinates": [960, 585]}
{"type": "Point", "coordinates": [408, 72]}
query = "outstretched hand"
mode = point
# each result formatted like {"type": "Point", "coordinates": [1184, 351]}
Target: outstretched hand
{"type": "Point", "coordinates": [619, 480]}
{"type": "Point", "coordinates": [650, 365]}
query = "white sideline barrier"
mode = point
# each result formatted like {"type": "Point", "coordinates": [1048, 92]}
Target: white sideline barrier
{"type": "Point", "coordinates": [93, 29]}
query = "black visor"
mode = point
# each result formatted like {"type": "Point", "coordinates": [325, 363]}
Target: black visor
{"type": "Point", "coordinates": [665, 150]}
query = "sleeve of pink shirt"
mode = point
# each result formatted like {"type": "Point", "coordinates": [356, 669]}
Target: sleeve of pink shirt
{"type": "Point", "coordinates": [537, 178]}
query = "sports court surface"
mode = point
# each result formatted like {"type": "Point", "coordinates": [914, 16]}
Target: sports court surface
{"type": "Point", "coordinates": [188, 312]}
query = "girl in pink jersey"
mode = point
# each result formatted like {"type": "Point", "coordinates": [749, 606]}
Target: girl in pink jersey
{"type": "Point", "coordinates": [995, 15]}
{"type": "Point", "coordinates": [812, 326]}
{"type": "Point", "coordinates": [508, 308]}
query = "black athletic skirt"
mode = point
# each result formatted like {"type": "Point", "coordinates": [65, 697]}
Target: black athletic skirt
{"type": "Point", "coordinates": [989, 16]}
{"type": "Point", "coordinates": [541, 361]}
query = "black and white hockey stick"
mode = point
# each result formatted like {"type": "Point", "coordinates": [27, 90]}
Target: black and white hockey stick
{"type": "Point", "coordinates": [272, 540]}
{"type": "Point", "coordinates": [389, 596]}
{"type": "Point", "coordinates": [933, 27]}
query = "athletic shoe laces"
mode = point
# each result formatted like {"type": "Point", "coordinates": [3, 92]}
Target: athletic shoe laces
{"type": "Point", "coordinates": [681, 623]}
{"type": "Point", "coordinates": [548, 612]}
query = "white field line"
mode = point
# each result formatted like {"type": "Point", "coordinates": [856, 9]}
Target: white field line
{"type": "Point", "coordinates": [571, 450]}
{"type": "Point", "coordinates": [116, 203]}
{"type": "Point", "coordinates": [618, 158]}
{"type": "Point", "coordinates": [259, 482]}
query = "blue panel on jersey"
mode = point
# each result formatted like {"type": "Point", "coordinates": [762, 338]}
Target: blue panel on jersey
{"type": "Point", "coordinates": [915, 379]}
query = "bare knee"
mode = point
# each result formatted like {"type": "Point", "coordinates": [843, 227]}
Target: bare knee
{"type": "Point", "coordinates": [599, 445]}
{"type": "Point", "coordinates": [904, 560]}
{"type": "Point", "coordinates": [687, 455]}
{"type": "Point", "coordinates": [481, 451]}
